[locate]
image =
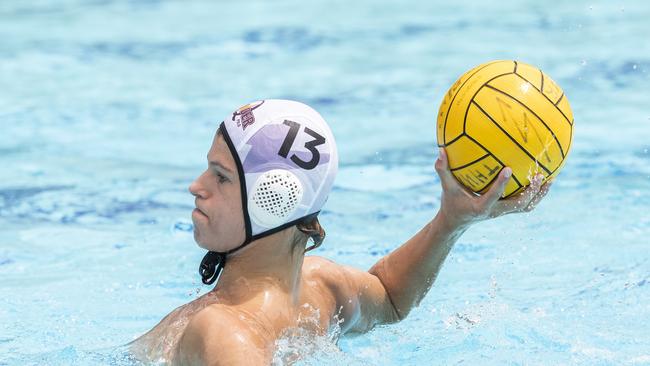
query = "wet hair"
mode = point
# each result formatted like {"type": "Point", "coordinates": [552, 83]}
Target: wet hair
{"type": "Point", "coordinates": [310, 228]}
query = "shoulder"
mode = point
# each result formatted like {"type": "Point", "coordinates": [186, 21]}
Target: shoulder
{"type": "Point", "coordinates": [335, 285]}
{"type": "Point", "coordinates": [330, 273]}
{"type": "Point", "coordinates": [217, 335]}
{"type": "Point", "coordinates": [328, 276]}
{"type": "Point", "coordinates": [334, 276]}
{"type": "Point", "coordinates": [360, 298]}
{"type": "Point", "coordinates": [319, 267]}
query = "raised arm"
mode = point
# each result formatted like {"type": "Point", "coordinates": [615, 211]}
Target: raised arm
{"type": "Point", "coordinates": [408, 272]}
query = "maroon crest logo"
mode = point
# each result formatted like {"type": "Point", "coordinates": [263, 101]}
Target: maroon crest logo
{"type": "Point", "coordinates": [245, 114]}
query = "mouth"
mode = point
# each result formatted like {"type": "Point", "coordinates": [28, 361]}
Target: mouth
{"type": "Point", "coordinates": [196, 211]}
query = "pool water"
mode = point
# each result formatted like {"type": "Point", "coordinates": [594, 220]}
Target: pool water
{"type": "Point", "coordinates": [108, 109]}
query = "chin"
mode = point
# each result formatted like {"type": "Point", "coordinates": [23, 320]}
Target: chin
{"type": "Point", "coordinates": [197, 238]}
{"type": "Point", "coordinates": [202, 244]}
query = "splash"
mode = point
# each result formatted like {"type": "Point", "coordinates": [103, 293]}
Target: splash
{"type": "Point", "coordinates": [308, 344]}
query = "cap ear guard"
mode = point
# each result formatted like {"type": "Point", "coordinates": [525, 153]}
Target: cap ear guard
{"type": "Point", "coordinates": [275, 197]}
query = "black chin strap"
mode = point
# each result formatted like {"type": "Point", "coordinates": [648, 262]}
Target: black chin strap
{"type": "Point", "coordinates": [211, 267]}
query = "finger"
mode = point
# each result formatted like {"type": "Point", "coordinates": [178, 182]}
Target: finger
{"type": "Point", "coordinates": [540, 195]}
{"type": "Point", "coordinates": [498, 187]}
{"type": "Point", "coordinates": [519, 202]}
{"type": "Point", "coordinates": [447, 179]}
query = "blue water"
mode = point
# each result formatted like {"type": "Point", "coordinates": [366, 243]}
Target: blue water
{"type": "Point", "coordinates": [107, 109]}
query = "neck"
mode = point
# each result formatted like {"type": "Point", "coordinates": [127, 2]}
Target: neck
{"type": "Point", "coordinates": [269, 263]}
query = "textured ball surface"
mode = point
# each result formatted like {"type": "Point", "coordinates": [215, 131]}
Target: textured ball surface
{"type": "Point", "coordinates": [505, 113]}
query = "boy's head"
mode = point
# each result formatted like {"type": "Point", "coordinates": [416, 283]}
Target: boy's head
{"type": "Point", "coordinates": [271, 166]}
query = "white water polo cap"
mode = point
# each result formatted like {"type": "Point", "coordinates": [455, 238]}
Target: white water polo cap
{"type": "Point", "coordinates": [287, 160]}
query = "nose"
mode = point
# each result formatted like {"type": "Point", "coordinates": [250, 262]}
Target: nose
{"type": "Point", "coordinates": [196, 188]}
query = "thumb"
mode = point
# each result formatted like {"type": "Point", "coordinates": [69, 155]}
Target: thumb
{"type": "Point", "coordinates": [498, 187]}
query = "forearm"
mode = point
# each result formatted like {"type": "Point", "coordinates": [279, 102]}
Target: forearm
{"type": "Point", "coordinates": [408, 272]}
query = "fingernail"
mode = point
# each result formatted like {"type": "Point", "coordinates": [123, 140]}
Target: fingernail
{"type": "Point", "coordinates": [507, 172]}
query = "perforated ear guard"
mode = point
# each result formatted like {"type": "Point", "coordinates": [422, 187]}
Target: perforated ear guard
{"type": "Point", "coordinates": [276, 195]}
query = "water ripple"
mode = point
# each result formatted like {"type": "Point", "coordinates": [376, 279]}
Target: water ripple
{"type": "Point", "coordinates": [296, 38]}
{"type": "Point", "coordinates": [11, 196]}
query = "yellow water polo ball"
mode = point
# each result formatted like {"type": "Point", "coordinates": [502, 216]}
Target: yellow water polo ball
{"type": "Point", "coordinates": [504, 113]}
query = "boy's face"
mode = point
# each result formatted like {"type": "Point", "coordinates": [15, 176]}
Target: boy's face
{"type": "Point", "coordinates": [218, 218]}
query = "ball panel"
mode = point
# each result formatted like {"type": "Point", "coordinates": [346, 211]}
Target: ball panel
{"type": "Point", "coordinates": [494, 140]}
{"type": "Point", "coordinates": [532, 74]}
{"type": "Point", "coordinates": [463, 151]}
{"type": "Point", "coordinates": [536, 105]}
{"type": "Point", "coordinates": [522, 127]}
{"type": "Point", "coordinates": [565, 108]}
{"type": "Point", "coordinates": [559, 168]}
{"type": "Point", "coordinates": [448, 99]}
{"type": "Point", "coordinates": [479, 174]}
{"type": "Point", "coordinates": [453, 107]}
{"type": "Point", "coordinates": [550, 89]}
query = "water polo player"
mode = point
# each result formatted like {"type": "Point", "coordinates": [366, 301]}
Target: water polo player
{"type": "Point", "coordinates": [271, 167]}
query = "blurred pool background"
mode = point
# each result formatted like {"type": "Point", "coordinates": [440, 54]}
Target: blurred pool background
{"type": "Point", "coordinates": [107, 109]}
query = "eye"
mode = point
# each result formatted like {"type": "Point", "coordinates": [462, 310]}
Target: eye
{"type": "Point", "coordinates": [221, 178]}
